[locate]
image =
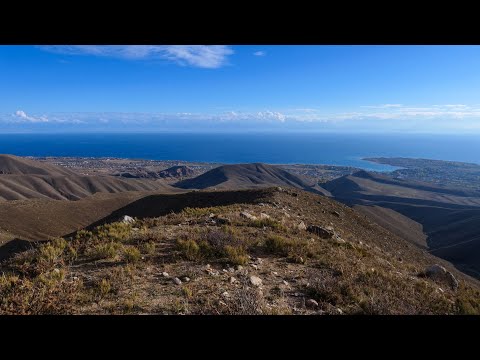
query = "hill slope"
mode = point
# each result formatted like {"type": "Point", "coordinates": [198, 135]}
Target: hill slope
{"type": "Point", "coordinates": [449, 217]}
{"type": "Point", "coordinates": [246, 176]}
{"type": "Point", "coordinates": [230, 259]}
{"type": "Point", "coordinates": [15, 165]}
{"type": "Point", "coordinates": [22, 178]}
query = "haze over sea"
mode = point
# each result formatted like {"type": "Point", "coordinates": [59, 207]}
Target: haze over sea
{"type": "Point", "coordinates": [298, 148]}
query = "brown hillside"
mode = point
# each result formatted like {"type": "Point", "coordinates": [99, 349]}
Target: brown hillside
{"type": "Point", "coordinates": [449, 217]}
{"type": "Point", "coordinates": [247, 176]}
{"type": "Point", "coordinates": [231, 259]}
{"type": "Point", "coordinates": [21, 179]}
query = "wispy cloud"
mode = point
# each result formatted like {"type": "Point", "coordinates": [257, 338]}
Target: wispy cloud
{"type": "Point", "coordinates": [451, 117]}
{"type": "Point", "coordinates": [260, 53]}
{"type": "Point", "coordinates": [144, 118]}
{"type": "Point", "coordinates": [398, 111]}
{"type": "Point", "coordinates": [23, 117]}
{"type": "Point", "coordinates": [384, 106]}
{"type": "Point", "coordinates": [203, 56]}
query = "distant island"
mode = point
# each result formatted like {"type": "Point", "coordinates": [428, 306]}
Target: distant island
{"type": "Point", "coordinates": [439, 172]}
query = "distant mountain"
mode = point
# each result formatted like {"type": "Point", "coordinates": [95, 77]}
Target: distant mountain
{"type": "Point", "coordinates": [247, 176]}
{"type": "Point", "coordinates": [22, 178]}
{"type": "Point", "coordinates": [448, 217]}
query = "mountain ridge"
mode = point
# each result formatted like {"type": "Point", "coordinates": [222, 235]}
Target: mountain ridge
{"type": "Point", "coordinates": [22, 178]}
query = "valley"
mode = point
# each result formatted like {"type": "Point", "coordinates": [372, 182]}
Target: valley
{"type": "Point", "coordinates": [181, 211]}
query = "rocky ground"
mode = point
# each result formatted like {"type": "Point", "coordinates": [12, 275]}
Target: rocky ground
{"type": "Point", "coordinates": [287, 252]}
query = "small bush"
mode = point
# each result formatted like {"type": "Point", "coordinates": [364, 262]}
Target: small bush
{"type": "Point", "coordinates": [83, 234]}
{"type": "Point", "coordinates": [131, 254]}
{"type": "Point", "coordinates": [51, 253]}
{"type": "Point", "coordinates": [104, 288]}
{"type": "Point", "coordinates": [150, 247]}
{"type": "Point", "coordinates": [267, 222]}
{"type": "Point", "coordinates": [8, 281]}
{"type": "Point", "coordinates": [52, 278]}
{"type": "Point", "coordinates": [71, 254]}
{"type": "Point", "coordinates": [236, 255]}
{"type": "Point", "coordinates": [215, 245]}
{"type": "Point", "coordinates": [296, 250]}
{"type": "Point", "coordinates": [114, 232]}
{"type": "Point", "coordinates": [218, 240]}
{"type": "Point", "coordinates": [189, 249]}
{"type": "Point", "coordinates": [278, 245]}
{"type": "Point", "coordinates": [105, 251]}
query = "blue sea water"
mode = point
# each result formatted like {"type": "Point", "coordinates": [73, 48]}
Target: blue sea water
{"type": "Point", "coordinates": [331, 149]}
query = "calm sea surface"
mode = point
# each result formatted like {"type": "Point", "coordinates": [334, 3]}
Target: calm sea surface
{"type": "Point", "coordinates": [332, 149]}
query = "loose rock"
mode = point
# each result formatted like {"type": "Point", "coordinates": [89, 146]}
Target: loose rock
{"type": "Point", "coordinates": [248, 215]}
{"type": "Point", "coordinates": [165, 274]}
{"type": "Point", "coordinates": [177, 281]}
{"type": "Point", "coordinates": [302, 226]}
{"type": "Point", "coordinates": [439, 273]}
{"type": "Point", "coordinates": [311, 304]}
{"type": "Point", "coordinates": [255, 280]}
{"type": "Point", "coordinates": [321, 232]}
{"type": "Point", "coordinates": [126, 219]}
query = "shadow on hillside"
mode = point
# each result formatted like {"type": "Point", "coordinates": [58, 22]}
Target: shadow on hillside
{"type": "Point", "coordinates": [163, 204]}
{"type": "Point", "coordinates": [14, 247]}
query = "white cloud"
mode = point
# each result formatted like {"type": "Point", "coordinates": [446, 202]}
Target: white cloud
{"type": "Point", "coordinates": [260, 53]}
{"type": "Point", "coordinates": [22, 115]}
{"type": "Point", "coordinates": [427, 117]}
{"type": "Point", "coordinates": [203, 56]}
{"type": "Point", "coordinates": [271, 115]}
{"type": "Point", "coordinates": [384, 106]}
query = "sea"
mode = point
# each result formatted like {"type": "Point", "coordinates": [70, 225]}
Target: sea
{"type": "Point", "coordinates": [292, 148]}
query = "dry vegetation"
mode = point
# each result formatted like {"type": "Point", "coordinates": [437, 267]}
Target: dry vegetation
{"type": "Point", "coordinates": [200, 260]}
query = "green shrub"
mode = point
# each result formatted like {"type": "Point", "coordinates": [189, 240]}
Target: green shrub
{"type": "Point", "coordinates": [150, 247]}
{"type": "Point", "coordinates": [278, 245]}
{"type": "Point", "coordinates": [295, 250]}
{"type": "Point", "coordinates": [131, 254]}
{"type": "Point", "coordinates": [236, 255]}
{"type": "Point", "coordinates": [104, 288]}
{"type": "Point", "coordinates": [114, 232]}
{"type": "Point", "coordinates": [105, 251]}
{"type": "Point", "coordinates": [52, 278]}
{"type": "Point", "coordinates": [268, 222]}
{"type": "Point", "coordinates": [189, 248]}
{"type": "Point", "coordinates": [51, 253]}
{"type": "Point", "coordinates": [8, 281]}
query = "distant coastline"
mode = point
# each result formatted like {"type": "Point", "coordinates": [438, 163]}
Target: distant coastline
{"type": "Point", "coordinates": [349, 150]}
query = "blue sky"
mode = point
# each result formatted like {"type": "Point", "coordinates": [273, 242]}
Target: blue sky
{"type": "Point", "coordinates": [303, 88]}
